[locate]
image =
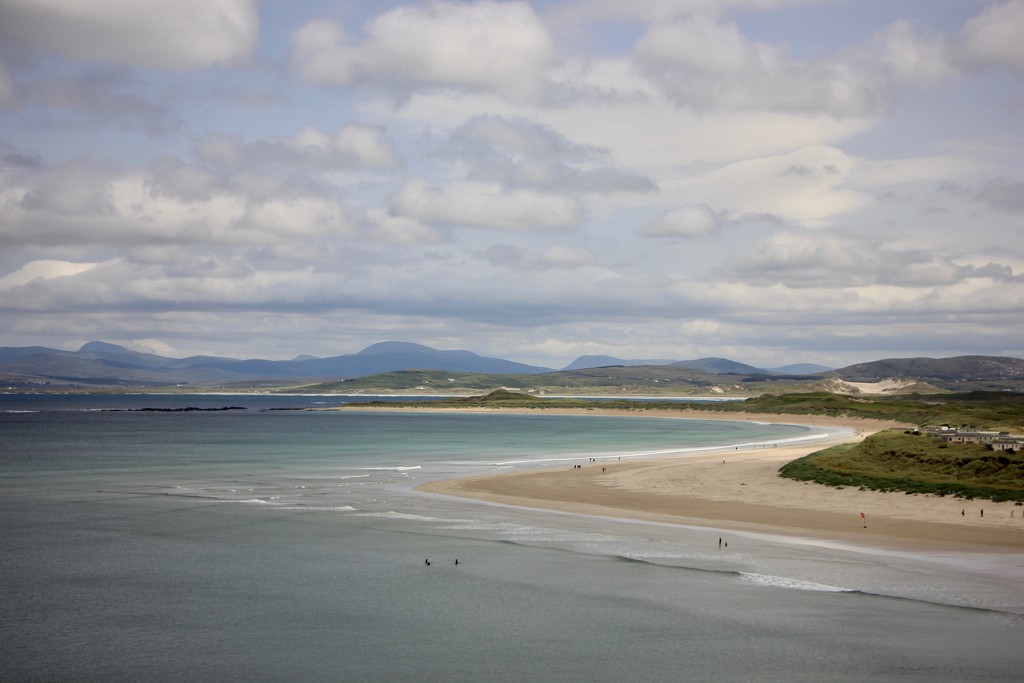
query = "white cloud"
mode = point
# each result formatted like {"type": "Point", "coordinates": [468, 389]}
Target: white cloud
{"type": "Point", "coordinates": [43, 270]}
{"type": "Point", "coordinates": [689, 221]}
{"type": "Point", "coordinates": [298, 217]}
{"type": "Point", "coordinates": [806, 186]}
{"type": "Point", "coordinates": [479, 46]}
{"type": "Point", "coordinates": [520, 153]}
{"type": "Point", "coordinates": [165, 34]}
{"type": "Point", "coordinates": [816, 260]}
{"type": "Point", "coordinates": [486, 205]}
{"type": "Point", "coordinates": [709, 64]}
{"type": "Point", "coordinates": [91, 204]}
{"type": "Point", "coordinates": [993, 37]}
{"type": "Point", "coordinates": [400, 231]}
{"type": "Point", "coordinates": [557, 256]}
{"type": "Point", "coordinates": [572, 257]}
{"type": "Point", "coordinates": [852, 187]}
{"type": "Point", "coordinates": [912, 54]}
{"type": "Point", "coordinates": [654, 137]}
{"type": "Point", "coordinates": [348, 147]}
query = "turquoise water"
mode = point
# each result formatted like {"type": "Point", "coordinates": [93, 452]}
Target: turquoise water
{"type": "Point", "coordinates": [281, 545]}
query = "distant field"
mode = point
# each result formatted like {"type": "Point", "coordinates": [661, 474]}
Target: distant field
{"type": "Point", "coordinates": [983, 410]}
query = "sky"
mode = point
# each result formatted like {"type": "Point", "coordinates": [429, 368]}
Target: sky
{"type": "Point", "coordinates": [771, 181]}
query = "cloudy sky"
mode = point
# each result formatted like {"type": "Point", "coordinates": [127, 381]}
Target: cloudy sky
{"type": "Point", "coordinates": [772, 181]}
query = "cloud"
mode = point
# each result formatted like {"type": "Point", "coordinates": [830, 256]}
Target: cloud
{"type": "Point", "coordinates": [807, 186]}
{"type": "Point", "coordinates": [398, 230]}
{"type": "Point", "coordinates": [46, 269]}
{"type": "Point", "coordinates": [697, 220]}
{"type": "Point", "coordinates": [555, 257]}
{"type": "Point", "coordinates": [91, 202]}
{"type": "Point", "coordinates": [486, 205]}
{"type": "Point", "coordinates": [348, 147]}
{"type": "Point", "coordinates": [802, 260]}
{"type": "Point", "coordinates": [708, 64]}
{"type": "Point", "coordinates": [912, 54]}
{"type": "Point", "coordinates": [8, 92]}
{"type": "Point", "coordinates": [302, 217]}
{"type": "Point", "coordinates": [524, 154]}
{"type": "Point", "coordinates": [485, 46]}
{"type": "Point", "coordinates": [105, 95]}
{"type": "Point", "coordinates": [657, 10]}
{"type": "Point", "coordinates": [685, 174]}
{"type": "Point", "coordinates": [993, 37]}
{"type": "Point", "coordinates": [163, 34]}
{"type": "Point", "coordinates": [1004, 194]}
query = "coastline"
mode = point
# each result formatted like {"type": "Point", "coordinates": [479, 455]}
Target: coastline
{"type": "Point", "coordinates": [740, 491]}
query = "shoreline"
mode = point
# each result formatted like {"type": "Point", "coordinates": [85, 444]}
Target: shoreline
{"type": "Point", "coordinates": [740, 490]}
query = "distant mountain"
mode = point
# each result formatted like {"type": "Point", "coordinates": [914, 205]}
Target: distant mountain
{"type": "Point", "coordinates": [587, 362]}
{"type": "Point", "coordinates": [716, 366]}
{"type": "Point", "coordinates": [801, 369]}
{"type": "Point", "coordinates": [98, 363]}
{"type": "Point", "coordinates": [719, 366]}
{"type": "Point", "coordinates": [103, 363]}
{"type": "Point", "coordinates": [16, 353]}
{"type": "Point", "coordinates": [958, 368]}
{"type": "Point", "coordinates": [389, 356]}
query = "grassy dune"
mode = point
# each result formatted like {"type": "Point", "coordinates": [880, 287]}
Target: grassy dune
{"type": "Point", "coordinates": [900, 461]}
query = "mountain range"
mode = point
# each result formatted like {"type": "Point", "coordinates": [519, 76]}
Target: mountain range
{"type": "Point", "coordinates": [716, 366]}
{"type": "Point", "coordinates": [102, 363]}
{"type": "Point", "coordinates": [99, 364]}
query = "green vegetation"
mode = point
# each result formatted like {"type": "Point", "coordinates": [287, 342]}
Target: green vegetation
{"type": "Point", "coordinates": [433, 381]}
{"type": "Point", "coordinates": [1002, 411]}
{"type": "Point", "coordinates": [615, 380]}
{"type": "Point", "coordinates": [994, 410]}
{"type": "Point", "coordinates": [499, 398]}
{"type": "Point", "coordinates": [901, 461]}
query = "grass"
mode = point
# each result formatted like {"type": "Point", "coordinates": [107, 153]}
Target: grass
{"type": "Point", "coordinates": [894, 460]}
{"type": "Point", "coordinates": [993, 410]}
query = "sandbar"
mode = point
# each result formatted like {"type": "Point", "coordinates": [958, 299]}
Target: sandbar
{"type": "Point", "coordinates": [741, 490]}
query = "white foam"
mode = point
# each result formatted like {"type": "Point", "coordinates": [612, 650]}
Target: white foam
{"type": "Point", "coordinates": [787, 582]}
{"type": "Point", "coordinates": [319, 508]}
{"type": "Point", "coordinates": [391, 514]}
{"type": "Point", "coordinates": [392, 469]}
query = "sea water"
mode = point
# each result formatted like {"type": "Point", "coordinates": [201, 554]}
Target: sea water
{"type": "Point", "coordinates": [267, 544]}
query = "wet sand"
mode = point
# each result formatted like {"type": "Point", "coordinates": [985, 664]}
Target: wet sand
{"type": "Point", "coordinates": [741, 490]}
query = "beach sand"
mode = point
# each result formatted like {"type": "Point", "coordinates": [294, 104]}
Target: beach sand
{"type": "Point", "coordinates": [741, 490]}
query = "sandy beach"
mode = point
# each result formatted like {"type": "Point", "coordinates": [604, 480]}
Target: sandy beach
{"type": "Point", "coordinates": [741, 490]}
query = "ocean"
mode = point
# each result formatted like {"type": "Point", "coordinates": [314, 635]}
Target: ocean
{"type": "Point", "coordinates": [266, 543]}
